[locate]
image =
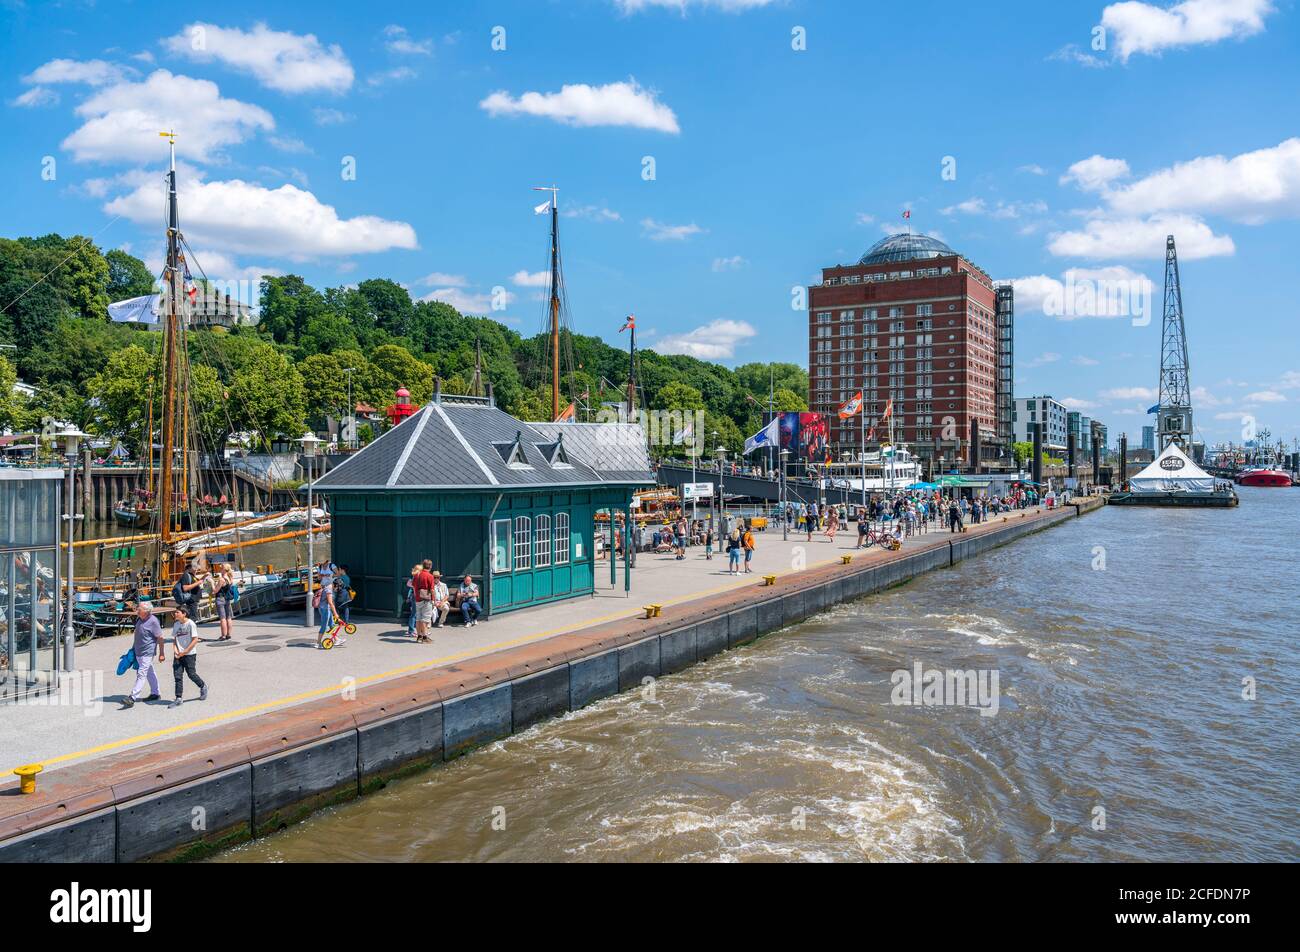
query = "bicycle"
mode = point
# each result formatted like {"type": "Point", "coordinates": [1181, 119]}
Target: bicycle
{"type": "Point", "coordinates": [331, 637]}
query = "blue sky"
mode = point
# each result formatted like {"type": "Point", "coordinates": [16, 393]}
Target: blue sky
{"type": "Point", "coordinates": [770, 162]}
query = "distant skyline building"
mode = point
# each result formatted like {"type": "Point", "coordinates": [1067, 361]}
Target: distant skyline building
{"type": "Point", "coordinates": [1149, 438]}
{"type": "Point", "coordinates": [1042, 409]}
{"type": "Point", "coordinates": [914, 322]}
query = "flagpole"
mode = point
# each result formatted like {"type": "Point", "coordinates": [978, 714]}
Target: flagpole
{"type": "Point", "coordinates": [863, 449]}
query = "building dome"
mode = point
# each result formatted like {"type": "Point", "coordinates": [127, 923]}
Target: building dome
{"type": "Point", "coordinates": [905, 247]}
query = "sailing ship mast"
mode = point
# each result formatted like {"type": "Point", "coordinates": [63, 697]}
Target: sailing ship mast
{"type": "Point", "coordinates": [170, 328]}
{"type": "Point", "coordinates": [555, 296]}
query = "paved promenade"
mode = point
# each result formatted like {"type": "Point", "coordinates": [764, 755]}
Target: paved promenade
{"type": "Point", "coordinates": [273, 662]}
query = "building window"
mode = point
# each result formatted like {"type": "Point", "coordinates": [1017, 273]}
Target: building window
{"type": "Point", "coordinates": [925, 309]}
{"type": "Point", "coordinates": [501, 545]}
{"type": "Point", "coordinates": [523, 542]}
{"type": "Point", "coordinates": [542, 542]}
{"type": "Point", "coordinates": [561, 538]}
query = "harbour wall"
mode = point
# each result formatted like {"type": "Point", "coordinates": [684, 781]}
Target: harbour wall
{"type": "Point", "coordinates": [188, 797]}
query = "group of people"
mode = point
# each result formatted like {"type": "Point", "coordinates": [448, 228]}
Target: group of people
{"type": "Point", "coordinates": [332, 601]}
{"type": "Point", "coordinates": [148, 645]}
{"type": "Point", "coordinates": [427, 601]}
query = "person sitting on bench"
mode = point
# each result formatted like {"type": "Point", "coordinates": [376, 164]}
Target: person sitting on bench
{"type": "Point", "coordinates": [467, 596]}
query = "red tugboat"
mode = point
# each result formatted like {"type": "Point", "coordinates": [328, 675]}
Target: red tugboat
{"type": "Point", "coordinates": [1266, 473]}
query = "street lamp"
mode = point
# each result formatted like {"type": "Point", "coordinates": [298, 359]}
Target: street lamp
{"type": "Point", "coordinates": [352, 410]}
{"type": "Point", "coordinates": [71, 438]}
{"type": "Point", "coordinates": [309, 443]}
{"type": "Point", "coordinates": [785, 514]}
{"type": "Point", "coordinates": [721, 452]}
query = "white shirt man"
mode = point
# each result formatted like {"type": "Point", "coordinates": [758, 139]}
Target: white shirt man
{"type": "Point", "coordinates": [441, 600]}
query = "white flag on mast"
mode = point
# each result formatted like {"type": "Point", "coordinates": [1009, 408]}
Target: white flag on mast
{"type": "Point", "coordinates": [543, 208]}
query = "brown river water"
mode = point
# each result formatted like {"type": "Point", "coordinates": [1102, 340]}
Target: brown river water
{"type": "Point", "coordinates": [1120, 641]}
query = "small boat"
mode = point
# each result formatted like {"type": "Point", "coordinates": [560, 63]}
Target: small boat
{"type": "Point", "coordinates": [135, 515]}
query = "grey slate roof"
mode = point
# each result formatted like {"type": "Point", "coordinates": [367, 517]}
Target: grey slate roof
{"type": "Point", "coordinates": [452, 444]}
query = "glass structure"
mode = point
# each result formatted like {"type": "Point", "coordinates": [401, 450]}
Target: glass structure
{"type": "Point", "coordinates": [29, 578]}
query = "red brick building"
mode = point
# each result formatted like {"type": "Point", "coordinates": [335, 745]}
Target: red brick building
{"type": "Point", "coordinates": [916, 322]}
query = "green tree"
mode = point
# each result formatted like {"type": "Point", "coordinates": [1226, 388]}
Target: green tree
{"type": "Point", "coordinates": [267, 396]}
{"type": "Point", "coordinates": [787, 401]}
{"type": "Point", "coordinates": [128, 276]}
{"type": "Point", "coordinates": [678, 396]}
{"type": "Point", "coordinates": [122, 392]}
{"type": "Point", "coordinates": [1022, 451]}
{"type": "Point", "coordinates": [394, 367]}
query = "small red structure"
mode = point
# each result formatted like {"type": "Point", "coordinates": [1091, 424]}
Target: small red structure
{"type": "Point", "coordinates": [400, 410]}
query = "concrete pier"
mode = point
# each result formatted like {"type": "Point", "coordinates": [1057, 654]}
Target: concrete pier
{"type": "Point", "coordinates": [184, 790]}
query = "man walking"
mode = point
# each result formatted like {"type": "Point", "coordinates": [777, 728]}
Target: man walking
{"type": "Point", "coordinates": [148, 639]}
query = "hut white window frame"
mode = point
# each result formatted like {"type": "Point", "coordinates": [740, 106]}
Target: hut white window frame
{"type": "Point", "coordinates": [506, 551]}
{"type": "Point", "coordinates": [542, 541]}
{"type": "Point", "coordinates": [523, 550]}
{"type": "Point", "coordinates": [562, 548]}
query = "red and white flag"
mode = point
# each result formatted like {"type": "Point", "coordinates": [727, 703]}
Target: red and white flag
{"type": "Point", "coordinates": [907, 213]}
{"type": "Point", "coordinates": [889, 409]}
{"type": "Point", "coordinates": [852, 406]}
{"type": "Point", "coordinates": [631, 323]}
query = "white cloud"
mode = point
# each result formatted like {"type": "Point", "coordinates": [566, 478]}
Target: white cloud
{"type": "Point", "coordinates": [1083, 360]}
{"type": "Point", "coordinates": [1113, 291]}
{"type": "Point", "coordinates": [1074, 403]}
{"type": "Point", "coordinates": [245, 218]}
{"type": "Point", "coordinates": [1251, 187]}
{"type": "Point", "coordinates": [90, 72]}
{"type": "Point", "coordinates": [222, 268]}
{"type": "Point", "coordinates": [1003, 209]}
{"type": "Point", "coordinates": [1105, 237]}
{"type": "Point", "coordinates": [123, 121]}
{"type": "Point", "coordinates": [733, 263]}
{"type": "Point", "coordinates": [591, 213]}
{"type": "Point", "coordinates": [534, 279]}
{"type": "Point", "coordinates": [614, 104]}
{"type": "Point", "coordinates": [467, 302]}
{"type": "Point", "coordinates": [287, 62]}
{"type": "Point", "coordinates": [862, 218]}
{"type": "Point", "coordinates": [1041, 359]}
{"type": "Point", "coordinates": [1070, 53]}
{"type": "Point", "coordinates": [398, 74]}
{"type": "Point", "coordinates": [726, 6]}
{"type": "Point", "coordinates": [400, 41]}
{"type": "Point", "coordinates": [1033, 169]}
{"type": "Point", "coordinates": [715, 340]}
{"type": "Point", "coordinates": [447, 280]}
{"type": "Point", "coordinates": [1265, 396]}
{"type": "Point", "coordinates": [1095, 173]}
{"type": "Point", "coordinates": [659, 231]}
{"type": "Point", "coordinates": [330, 117]}
{"type": "Point", "coordinates": [288, 144]}
{"type": "Point", "coordinates": [1147, 28]}
{"type": "Point", "coordinates": [1129, 393]}
{"type": "Point", "coordinates": [35, 97]}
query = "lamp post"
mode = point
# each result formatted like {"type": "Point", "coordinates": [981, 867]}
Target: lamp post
{"type": "Point", "coordinates": [309, 442]}
{"type": "Point", "coordinates": [721, 452]}
{"type": "Point", "coordinates": [70, 437]}
{"type": "Point", "coordinates": [785, 502]}
{"type": "Point", "coordinates": [352, 410]}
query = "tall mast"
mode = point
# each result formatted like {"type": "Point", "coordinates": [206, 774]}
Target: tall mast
{"type": "Point", "coordinates": [555, 307]}
{"type": "Point", "coordinates": [631, 372]}
{"type": "Point", "coordinates": [555, 295]}
{"type": "Point", "coordinates": [1174, 412]}
{"type": "Point", "coordinates": [170, 326]}
{"type": "Point", "coordinates": [476, 388]}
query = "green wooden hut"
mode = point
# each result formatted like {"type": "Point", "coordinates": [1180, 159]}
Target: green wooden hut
{"type": "Point", "coordinates": [480, 493]}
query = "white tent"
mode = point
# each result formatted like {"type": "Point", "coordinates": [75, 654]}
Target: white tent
{"type": "Point", "coordinates": [1172, 472]}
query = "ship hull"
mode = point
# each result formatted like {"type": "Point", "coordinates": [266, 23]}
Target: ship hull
{"type": "Point", "coordinates": [1271, 478]}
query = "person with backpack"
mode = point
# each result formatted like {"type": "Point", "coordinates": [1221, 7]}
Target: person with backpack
{"type": "Point", "coordinates": [747, 541]}
{"type": "Point", "coordinates": [343, 594]}
{"type": "Point", "coordinates": [185, 593]}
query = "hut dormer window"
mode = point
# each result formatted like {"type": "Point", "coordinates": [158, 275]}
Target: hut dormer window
{"type": "Point", "coordinates": [512, 454]}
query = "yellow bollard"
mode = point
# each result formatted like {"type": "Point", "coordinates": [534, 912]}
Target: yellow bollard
{"type": "Point", "coordinates": [845, 559]}
{"type": "Point", "coordinates": [769, 579]}
{"type": "Point", "coordinates": [27, 777]}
